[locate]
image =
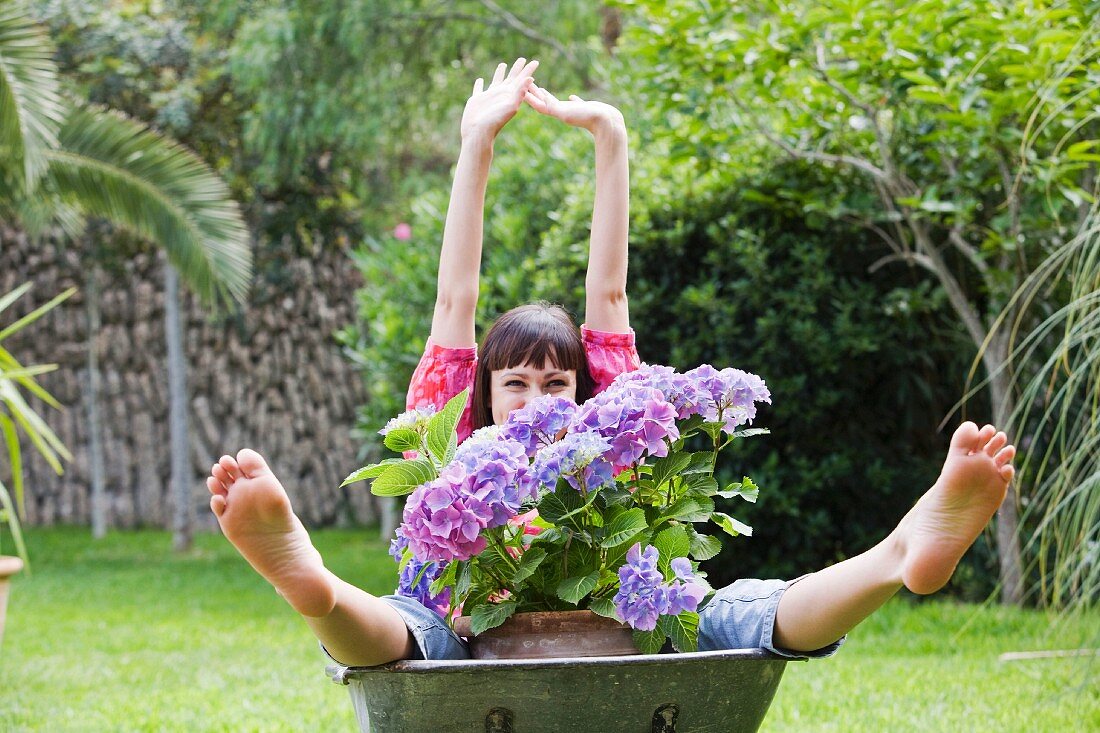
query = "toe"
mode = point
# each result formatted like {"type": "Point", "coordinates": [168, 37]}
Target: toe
{"type": "Point", "coordinates": [251, 463]}
{"type": "Point", "coordinates": [965, 438]}
{"type": "Point", "coordinates": [220, 475]}
{"type": "Point", "coordinates": [229, 465]}
{"type": "Point", "coordinates": [1004, 455]}
{"type": "Point", "coordinates": [987, 432]}
{"type": "Point", "coordinates": [217, 504]}
{"type": "Point", "coordinates": [1007, 472]}
{"type": "Point", "coordinates": [216, 486]}
{"type": "Point", "coordinates": [995, 444]}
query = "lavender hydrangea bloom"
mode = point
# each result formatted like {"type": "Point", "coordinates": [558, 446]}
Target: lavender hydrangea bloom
{"type": "Point", "coordinates": [683, 393]}
{"type": "Point", "coordinates": [644, 595]}
{"type": "Point", "coordinates": [577, 457]}
{"type": "Point", "coordinates": [500, 478]}
{"type": "Point", "coordinates": [635, 418]}
{"type": "Point", "coordinates": [410, 420]}
{"type": "Point", "coordinates": [416, 584]}
{"type": "Point", "coordinates": [482, 488]}
{"type": "Point", "coordinates": [733, 394]}
{"type": "Point", "coordinates": [439, 521]}
{"type": "Point", "coordinates": [538, 422]}
{"type": "Point", "coordinates": [640, 598]}
{"type": "Point", "coordinates": [686, 592]}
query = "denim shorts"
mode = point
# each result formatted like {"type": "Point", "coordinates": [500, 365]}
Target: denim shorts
{"type": "Point", "coordinates": [739, 616]}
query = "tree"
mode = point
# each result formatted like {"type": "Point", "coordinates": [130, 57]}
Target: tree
{"type": "Point", "coordinates": [960, 133]}
{"type": "Point", "coordinates": [62, 163]}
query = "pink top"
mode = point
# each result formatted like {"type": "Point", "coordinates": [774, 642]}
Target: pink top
{"type": "Point", "coordinates": [443, 372]}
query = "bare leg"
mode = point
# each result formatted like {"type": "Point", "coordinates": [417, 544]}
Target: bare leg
{"type": "Point", "coordinates": [920, 554]}
{"type": "Point", "coordinates": [255, 515]}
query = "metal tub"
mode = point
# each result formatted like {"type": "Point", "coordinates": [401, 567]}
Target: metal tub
{"type": "Point", "coordinates": [649, 693]}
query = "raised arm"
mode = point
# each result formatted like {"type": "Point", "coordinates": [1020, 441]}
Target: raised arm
{"type": "Point", "coordinates": [487, 111]}
{"type": "Point", "coordinates": [605, 284]}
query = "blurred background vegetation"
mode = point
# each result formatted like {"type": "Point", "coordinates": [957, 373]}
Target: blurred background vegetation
{"type": "Point", "coordinates": [844, 198]}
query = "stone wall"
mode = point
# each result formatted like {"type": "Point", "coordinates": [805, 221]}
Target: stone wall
{"type": "Point", "coordinates": [272, 379]}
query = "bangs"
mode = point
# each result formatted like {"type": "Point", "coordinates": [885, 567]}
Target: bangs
{"type": "Point", "coordinates": [535, 339]}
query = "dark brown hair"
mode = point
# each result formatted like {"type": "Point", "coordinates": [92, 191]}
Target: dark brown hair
{"type": "Point", "coordinates": [529, 334]}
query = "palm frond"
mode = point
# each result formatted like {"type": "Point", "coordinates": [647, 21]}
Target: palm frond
{"type": "Point", "coordinates": [31, 106]}
{"type": "Point", "coordinates": [115, 168]}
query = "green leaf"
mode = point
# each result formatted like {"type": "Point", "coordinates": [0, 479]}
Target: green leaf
{"type": "Point", "coordinates": [441, 428]}
{"type": "Point", "coordinates": [603, 607]}
{"type": "Point", "coordinates": [400, 440]}
{"type": "Point", "coordinates": [689, 509]}
{"type": "Point", "coordinates": [682, 629]}
{"type": "Point", "coordinates": [528, 563]}
{"type": "Point", "coordinates": [672, 542]}
{"type": "Point", "coordinates": [577, 587]}
{"type": "Point", "coordinates": [372, 471]}
{"type": "Point", "coordinates": [403, 478]}
{"type": "Point", "coordinates": [490, 615]}
{"type": "Point", "coordinates": [563, 504]}
{"type": "Point", "coordinates": [701, 462]}
{"type": "Point", "coordinates": [649, 642]}
{"type": "Point", "coordinates": [624, 526]}
{"type": "Point", "coordinates": [744, 488]}
{"type": "Point", "coordinates": [671, 465]}
{"type": "Point", "coordinates": [731, 525]}
{"type": "Point", "coordinates": [703, 546]}
{"type": "Point", "coordinates": [748, 433]}
{"type": "Point", "coordinates": [446, 578]}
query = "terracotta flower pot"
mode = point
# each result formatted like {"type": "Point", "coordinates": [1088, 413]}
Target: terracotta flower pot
{"type": "Point", "coordinates": [550, 634]}
{"type": "Point", "coordinates": [9, 566]}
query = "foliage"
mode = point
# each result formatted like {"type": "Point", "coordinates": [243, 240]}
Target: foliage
{"type": "Point", "coordinates": [99, 164]}
{"type": "Point", "coordinates": [961, 134]}
{"type": "Point", "coordinates": [618, 545]}
{"type": "Point", "coordinates": [17, 415]}
{"type": "Point", "coordinates": [1058, 370]}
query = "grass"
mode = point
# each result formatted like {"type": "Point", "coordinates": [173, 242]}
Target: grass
{"type": "Point", "coordinates": [121, 635]}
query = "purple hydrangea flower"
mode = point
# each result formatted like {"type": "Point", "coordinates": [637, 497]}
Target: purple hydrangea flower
{"type": "Point", "coordinates": [683, 393]}
{"type": "Point", "coordinates": [416, 584]}
{"type": "Point", "coordinates": [500, 477]}
{"type": "Point", "coordinates": [579, 457]}
{"type": "Point", "coordinates": [539, 422]}
{"type": "Point", "coordinates": [644, 595]}
{"type": "Point", "coordinates": [686, 592]}
{"type": "Point", "coordinates": [733, 394]}
{"type": "Point", "coordinates": [635, 418]}
{"type": "Point", "coordinates": [440, 523]}
{"type": "Point", "coordinates": [640, 598]}
{"type": "Point", "coordinates": [482, 488]}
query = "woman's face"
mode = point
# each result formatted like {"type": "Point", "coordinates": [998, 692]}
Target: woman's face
{"type": "Point", "coordinates": [511, 389]}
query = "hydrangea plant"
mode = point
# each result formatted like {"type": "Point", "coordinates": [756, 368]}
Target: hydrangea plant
{"type": "Point", "coordinates": [568, 506]}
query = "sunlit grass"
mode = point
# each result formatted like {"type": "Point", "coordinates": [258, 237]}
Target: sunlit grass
{"type": "Point", "coordinates": [121, 635]}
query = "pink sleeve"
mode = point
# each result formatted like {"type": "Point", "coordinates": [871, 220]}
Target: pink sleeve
{"type": "Point", "coordinates": [442, 373]}
{"type": "Point", "coordinates": [609, 355]}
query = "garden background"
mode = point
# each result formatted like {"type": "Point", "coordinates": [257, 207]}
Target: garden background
{"type": "Point", "coordinates": [841, 197]}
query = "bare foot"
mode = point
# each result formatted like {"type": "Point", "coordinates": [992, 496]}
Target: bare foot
{"type": "Point", "coordinates": [950, 516]}
{"type": "Point", "coordinates": [255, 515]}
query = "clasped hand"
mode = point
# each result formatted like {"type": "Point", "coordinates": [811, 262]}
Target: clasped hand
{"type": "Point", "coordinates": [489, 109]}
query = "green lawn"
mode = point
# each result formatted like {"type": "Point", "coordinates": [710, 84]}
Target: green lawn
{"type": "Point", "coordinates": [120, 635]}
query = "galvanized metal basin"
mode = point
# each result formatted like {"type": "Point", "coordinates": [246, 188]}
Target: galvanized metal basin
{"type": "Point", "coordinates": [650, 693]}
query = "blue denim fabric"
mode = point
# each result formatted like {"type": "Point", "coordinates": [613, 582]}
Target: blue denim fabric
{"type": "Point", "coordinates": [742, 616]}
{"type": "Point", "coordinates": [434, 638]}
{"type": "Point", "coordinates": [739, 616]}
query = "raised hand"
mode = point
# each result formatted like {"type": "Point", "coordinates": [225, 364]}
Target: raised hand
{"type": "Point", "coordinates": [489, 109]}
{"type": "Point", "coordinates": [588, 114]}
